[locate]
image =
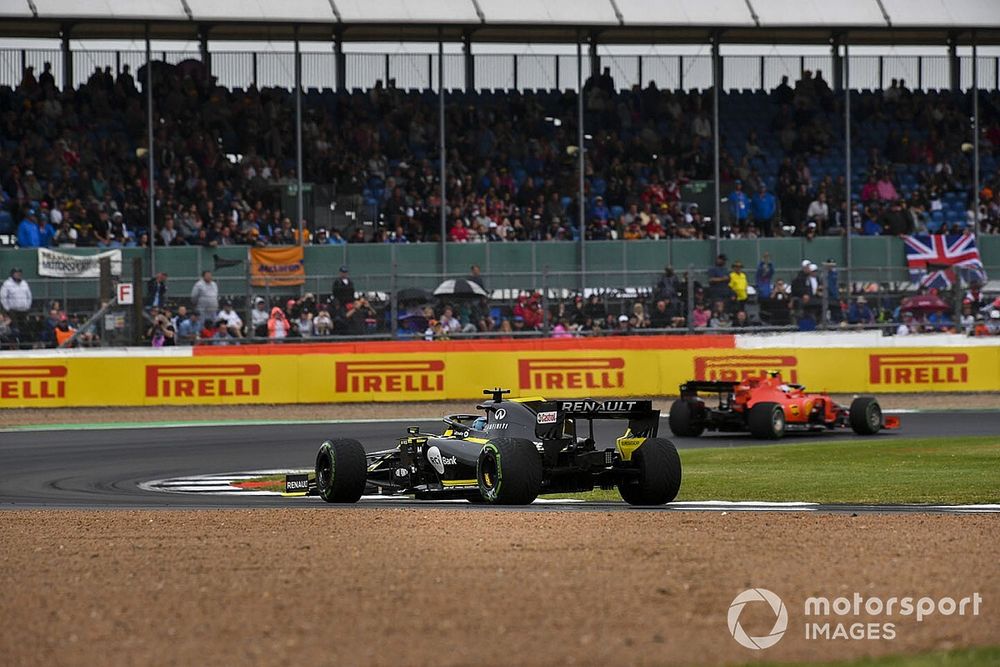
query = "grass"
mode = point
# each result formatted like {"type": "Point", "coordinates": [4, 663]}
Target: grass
{"type": "Point", "coordinates": [986, 656]}
{"type": "Point", "coordinates": [926, 470]}
{"type": "Point", "coordinates": [876, 471]}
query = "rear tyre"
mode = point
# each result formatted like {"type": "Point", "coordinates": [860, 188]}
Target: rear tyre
{"type": "Point", "coordinates": [509, 472]}
{"type": "Point", "coordinates": [865, 415]}
{"type": "Point", "coordinates": [659, 477]}
{"type": "Point", "coordinates": [684, 422]}
{"type": "Point", "coordinates": [341, 471]}
{"type": "Point", "coordinates": [767, 421]}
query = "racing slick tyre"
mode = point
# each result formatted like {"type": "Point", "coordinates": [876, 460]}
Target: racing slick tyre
{"type": "Point", "coordinates": [509, 471]}
{"type": "Point", "coordinates": [865, 415]}
{"type": "Point", "coordinates": [684, 420]}
{"type": "Point", "coordinates": [341, 471]}
{"type": "Point", "coordinates": [767, 421]}
{"type": "Point", "coordinates": [659, 477]}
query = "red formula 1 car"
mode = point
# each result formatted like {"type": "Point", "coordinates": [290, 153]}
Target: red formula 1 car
{"type": "Point", "coordinates": [768, 407]}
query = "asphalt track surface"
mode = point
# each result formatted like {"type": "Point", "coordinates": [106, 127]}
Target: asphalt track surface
{"type": "Point", "coordinates": [103, 468]}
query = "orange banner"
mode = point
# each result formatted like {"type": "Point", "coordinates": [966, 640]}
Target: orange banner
{"type": "Point", "coordinates": [277, 267]}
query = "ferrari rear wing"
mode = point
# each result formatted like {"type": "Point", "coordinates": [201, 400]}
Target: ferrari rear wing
{"type": "Point", "coordinates": [692, 387]}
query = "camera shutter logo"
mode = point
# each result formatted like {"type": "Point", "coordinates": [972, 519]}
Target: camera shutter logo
{"type": "Point", "coordinates": [780, 623]}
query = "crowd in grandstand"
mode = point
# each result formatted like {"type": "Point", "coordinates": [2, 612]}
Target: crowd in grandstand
{"type": "Point", "coordinates": [723, 297]}
{"type": "Point", "coordinates": [73, 163]}
{"type": "Point", "coordinates": [73, 172]}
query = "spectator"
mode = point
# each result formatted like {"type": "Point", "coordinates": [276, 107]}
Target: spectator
{"type": "Point", "coordinates": [700, 316]}
{"type": "Point", "coordinates": [718, 280]}
{"type": "Point", "coordinates": [277, 324]}
{"type": "Point", "coordinates": [34, 231]}
{"type": "Point", "coordinates": [343, 289]}
{"type": "Point", "coordinates": [895, 221]}
{"type": "Point", "coordinates": [860, 312]}
{"type": "Point", "coordinates": [805, 282]}
{"type": "Point", "coordinates": [669, 286]}
{"type": "Point", "coordinates": [156, 290]}
{"type": "Point", "coordinates": [739, 205]}
{"type": "Point", "coordinates": [475, 276]}
{"type": "Point", "coordinates": [259, 317]}
{"type": "Point", "coordinates": [764, 207]}
{"type": "Point", "coordinates": [15, 297]}
{"type": "Point", "coordinates": [819, 211]}
{"type": "Point", "coordinates": [886, 189]}
{"type": "Point", "coordinates": [764, 276]}
{"type": "Point", "coordinates": [232, 319]}
{"type": "Point", "coordinates": [189, 329]}
{"type": "Point", "coordinates": [323, 323]}
{"type": "Point", "coordinates": [304, 325]}
{"type": "Point", "coordinates": [738, 286]}
{"type": "Point", "coordinates": [205, 297]}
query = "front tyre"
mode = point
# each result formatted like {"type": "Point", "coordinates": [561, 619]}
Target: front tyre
{"type": "Point", "coordinates": [865, 415]}
{"type": "Point", "coordinates": [684, 421]}
{"type": "Point", "coordinates": [767, 421]}
{"type": "Point", "coordinates": [659, 477]}
{"type": "Point", "coordinates": [509, 472]}
{"type": "Point", "coordinates": [341, 471]}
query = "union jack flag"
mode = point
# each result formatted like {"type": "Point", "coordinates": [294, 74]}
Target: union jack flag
{"type": "Point", "coordinates": [933, 259]}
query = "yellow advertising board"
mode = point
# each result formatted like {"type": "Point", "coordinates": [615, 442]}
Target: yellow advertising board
{"type": "Point", "coordinates": [370, 377]}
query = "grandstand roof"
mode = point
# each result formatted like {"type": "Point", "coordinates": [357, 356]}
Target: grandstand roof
{"type": "Point", "coordinates": [609, 21]}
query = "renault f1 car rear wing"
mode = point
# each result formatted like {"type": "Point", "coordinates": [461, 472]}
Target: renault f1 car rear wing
{"type": "Point", "coordinates": [643, 420]}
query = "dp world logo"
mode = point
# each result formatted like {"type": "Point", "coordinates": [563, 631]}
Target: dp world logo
{"type": "Point", "coordinates": [780, 622]}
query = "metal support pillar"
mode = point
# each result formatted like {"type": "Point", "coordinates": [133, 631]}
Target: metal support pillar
{"type": "Point", "coordinates": [150, 163]}
{"type": "Point", "coordinates": [975, 133]}
{"type": "Point", "coordinates": [954, 64]}
{"type": "Point", "coordinates": [716, 84]}
{"type": "Point", "coordinates": [206, 55]}
{"type": "Point", "coordinates": [299, 203]}
{"type": "Point", "coordinates": [443, 173]}
{"type": "Point", "coordinates": [595, 60]}
{"type": "Point", "coordinates": [581, 194]}
{"type": "Point", "coordinates": [67, 58]}
{"type": "Point", "coordinates": [849, 222]}
{"type": "Point", "coordinates": [837, 76]}
{"type": "Point", "coordinates": [339, 63]}
{"type": "Point", "coordinates": [470, 63]}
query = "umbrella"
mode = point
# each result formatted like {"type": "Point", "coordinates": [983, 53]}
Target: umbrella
{"type": "Point", "coordinates": [460, 287]}
{"type": "Point", "coordinates": [924, 303]}
{"type": "Point", "coordinates": [413, 295]}
{"type": "Point", "coordinates": [412, 322]}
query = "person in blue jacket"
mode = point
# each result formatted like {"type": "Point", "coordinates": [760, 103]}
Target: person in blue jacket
{"type": "Point", "coordinates": [29, 233]}
{"type": "Point", "coordinates": [764, 207]}
{"type": "Point", "coordinates": [765, 277]}
{"type": "Point", "coordinates": [739, 205]}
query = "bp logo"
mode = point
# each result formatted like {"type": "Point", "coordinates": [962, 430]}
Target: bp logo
{"type": "Point", "coordinates": [780, 622]}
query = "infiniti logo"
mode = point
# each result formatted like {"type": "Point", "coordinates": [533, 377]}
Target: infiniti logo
{"type": "Point", "coordinates": [780, 622]}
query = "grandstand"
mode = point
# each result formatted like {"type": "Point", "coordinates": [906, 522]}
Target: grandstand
{"type": "Point", "coordinates": [446, 150]}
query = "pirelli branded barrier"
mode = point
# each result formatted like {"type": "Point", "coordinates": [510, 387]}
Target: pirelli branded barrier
{"type": "Point", "coordinates": [460, 370]}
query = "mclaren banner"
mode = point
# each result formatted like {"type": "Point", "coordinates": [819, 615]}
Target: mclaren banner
{"type": "Point", "coordinates": [327, 377]}
{"type": "Point", "coordinates": [277, 267]}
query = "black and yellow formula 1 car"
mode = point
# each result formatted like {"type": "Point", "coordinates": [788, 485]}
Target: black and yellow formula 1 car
{"type": "Point", "coordinates": [513, 451]}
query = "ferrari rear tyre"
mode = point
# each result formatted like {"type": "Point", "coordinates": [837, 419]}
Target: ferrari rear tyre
{"type": "Point", "coordinates": [341, 471]}
{"type": "Point", "coordinates": [767, 421]}
{"type": "Point", "coordinates": [659, 477]}
{"type": "Point", "coordinates": [509, 472]}
{"type": "Point", "coordinates": [865, 415]}
{"type": "Point", "coordinates": [684, 422]}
